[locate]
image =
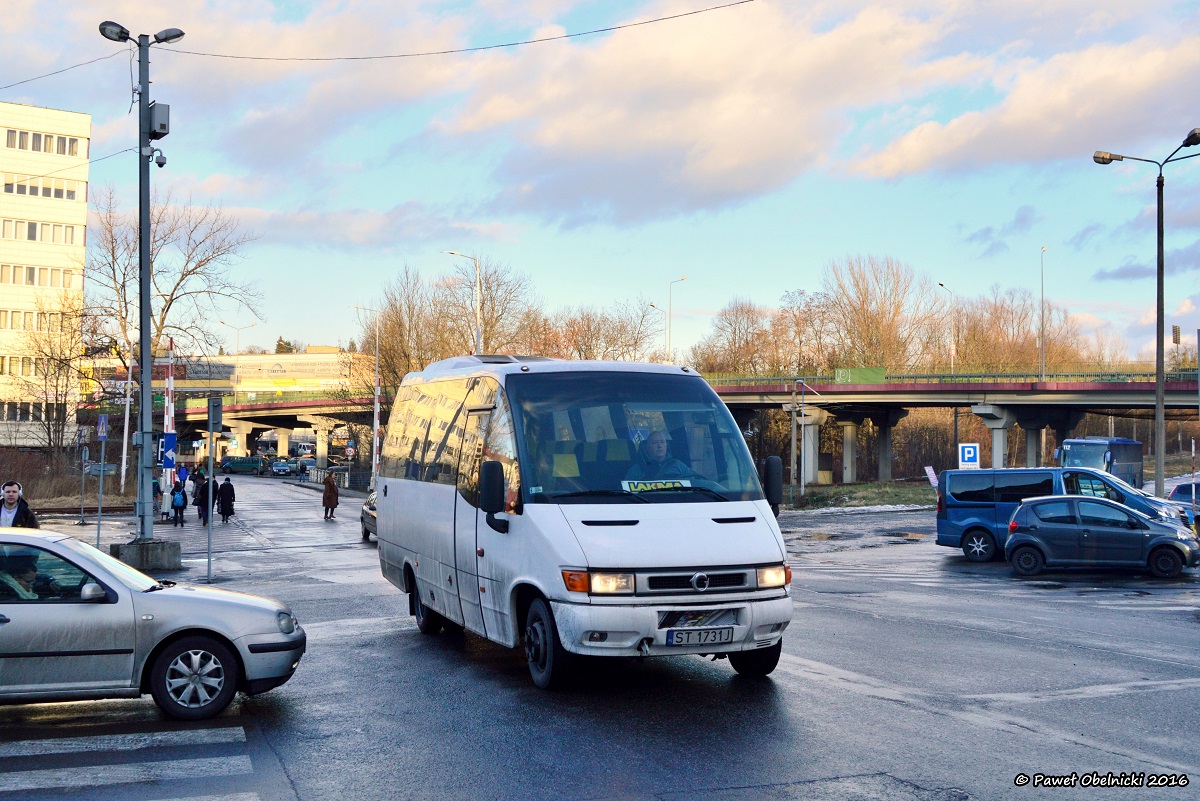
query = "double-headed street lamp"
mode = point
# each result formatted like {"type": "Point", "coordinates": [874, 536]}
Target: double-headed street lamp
{"type": "Point", "coordinates": [1160, 422]}
{"type": "Point", "coordinates": [953, 351]}
{"type": "Point", "coordinates": [478, 299]}
{"type": "Point", "coordinates": [237, 350]}
{"type": "Point", "coordinates": [375, 419]}
{"type": "Point", "coordinates": [153, 123]}
{"type": "Point", "coordinates": [1042, 337]}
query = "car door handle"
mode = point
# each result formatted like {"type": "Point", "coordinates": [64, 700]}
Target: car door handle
{"type": "Point", "coordinates": [1033, 528]}
{"type": "Point", "coordinates": [3, 620]}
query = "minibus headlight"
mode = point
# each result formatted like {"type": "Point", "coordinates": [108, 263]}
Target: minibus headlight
{"type": "Point", "coordinates": [611, 583]}
{"type": "Point", "coordinates": [775, 576]}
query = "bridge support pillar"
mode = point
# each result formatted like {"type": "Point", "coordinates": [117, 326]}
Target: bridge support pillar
{"type": "Point", "coordinates": [810, 440]}
{"type": "Point", "coordinates": [849, 451]}
{"type": "Point", "coordinates": [1033, 446]}
{"type": "Point", "coordinates": [324, 431]}
{"type": "Point", "coordinates": [999, 420]}
{"type": "Point", "coordinates": [242, 432]}
{"type": "Point", "coordinates": [281, 445]}
{"type": "Point", "coordinates": [884, 423]}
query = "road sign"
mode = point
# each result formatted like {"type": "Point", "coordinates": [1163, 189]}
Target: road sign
{"type": "Point", "coordinates": [167, 449]}
{"type": "Point", "coordinates": [102, 427]}
{"type": "Point", "coordinates": [968, 456]}
{"type": "Point", "coordinates": [350, 451]}
{"type": "Point", "coordinates": [214, 414]}
{"type": "Point", "coordinates": [932, 476]}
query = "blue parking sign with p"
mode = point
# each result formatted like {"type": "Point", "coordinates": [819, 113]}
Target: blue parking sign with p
{"type": "Point", "coordinates": [968, 456]}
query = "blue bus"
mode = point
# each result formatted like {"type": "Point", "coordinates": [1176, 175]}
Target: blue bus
{"type": "Point", "coordinates": [1117, 455]}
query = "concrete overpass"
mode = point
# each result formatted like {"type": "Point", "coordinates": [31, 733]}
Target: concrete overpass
{"type": "Point", "coordinates": [999, 401]}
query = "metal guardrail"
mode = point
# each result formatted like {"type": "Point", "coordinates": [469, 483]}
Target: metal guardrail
{"type": "Point", "coordinates": [1099, 376]}
{"type": "Point", "coordinates": [357, 480]}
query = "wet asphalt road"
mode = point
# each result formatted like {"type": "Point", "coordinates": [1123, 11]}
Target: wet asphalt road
{"type": "Point", "coordinates": [908, 673]}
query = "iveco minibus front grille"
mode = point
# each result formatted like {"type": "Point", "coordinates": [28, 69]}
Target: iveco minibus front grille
{"type": "Point", "coordinates": [687, 582]}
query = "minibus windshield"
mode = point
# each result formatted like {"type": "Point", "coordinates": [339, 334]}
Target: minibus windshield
{"type": "Point", "coordinates": [627, 437]}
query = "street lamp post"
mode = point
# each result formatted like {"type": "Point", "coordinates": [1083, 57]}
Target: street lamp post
{"type": "Point", "coordinates": [375, 419]}
{"type": "Point", "coordinates": [657, 309]}
{"type": "Point", "coordinates": [237, 350]}
{"type": "Point", "coordinates": [146, 456]}
{"type": "Point", "coordinates": [478, 299]}
{"type": "Point", "coordinates": [1042, 336]}
{"type": "Point", "coordinates": [1160, 423]}
{"type": "Point", "coordinates": [953, 349]}
{"type": "Point", "coordinates": [671, 315]}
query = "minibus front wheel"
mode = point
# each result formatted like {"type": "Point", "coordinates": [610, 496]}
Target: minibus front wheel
{"type": "Point", "coordinates": [549, 662]}
{"type": "Point", "coordinates": [978, 546]}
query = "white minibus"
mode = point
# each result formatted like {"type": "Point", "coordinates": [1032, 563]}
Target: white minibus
{"type": "Point", "coordinates": [581, 509]}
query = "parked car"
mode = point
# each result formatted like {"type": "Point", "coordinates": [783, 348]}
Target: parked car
{"type": "Point", "coordinates": [370, 518]}
{"type": "Point", "coordinates": [92, 627]}
{"type": "Point", "coordinates": [253, 465]}
{"type": "Point", "coordinates": [295, 462]}
{"type": "Point", "coordinates": [974, 506]}
{"type": "Point", "coordinates": [1184, 493]}
{"type": "Point", "coordinates": [280, 468]}
{"type": "Point", "coordinates": [1095, 532]}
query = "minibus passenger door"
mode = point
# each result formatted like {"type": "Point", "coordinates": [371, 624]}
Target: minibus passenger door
{"type": "Point", "coordinates": [466, 511]}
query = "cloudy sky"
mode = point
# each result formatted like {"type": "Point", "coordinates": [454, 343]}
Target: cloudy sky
{"type": "Point", "coordinates": [745, 147]}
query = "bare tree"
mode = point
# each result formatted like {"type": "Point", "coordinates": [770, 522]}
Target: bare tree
{"type": "Point", "coordinates": [738, 342]}
{"type": "Point", "coordinates": [192, 251]}
{"type": "Point", "coordinates": [507, 297]}
{"type": "Point", "coordinates": [881, 313]}
{"type": "Point", "coordinates": [624, 332]}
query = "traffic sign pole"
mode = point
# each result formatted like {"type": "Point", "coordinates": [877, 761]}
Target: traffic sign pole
{"type": "Point", "coordinates": [102, 435]}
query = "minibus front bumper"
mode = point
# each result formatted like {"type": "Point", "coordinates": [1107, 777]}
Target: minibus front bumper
{"type": "Point", "coordinates": [644, 630]}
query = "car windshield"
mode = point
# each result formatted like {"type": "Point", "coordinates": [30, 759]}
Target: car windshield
{"type": "Point", "coordinates": [134, 579]}
{"type": "Point", "coordinates": [627, 437]}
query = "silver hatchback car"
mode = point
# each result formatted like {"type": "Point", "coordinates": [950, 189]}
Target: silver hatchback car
{"type": "Point", "coordinates": [78, 624]}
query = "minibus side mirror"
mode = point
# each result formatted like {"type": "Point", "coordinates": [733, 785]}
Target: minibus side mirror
{"type": "Point", "coordinates": [491, 494]}
{"type": "Point", "coordinates": [774, 483]}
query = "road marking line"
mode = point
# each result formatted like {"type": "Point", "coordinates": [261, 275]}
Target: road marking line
{"type": "Point", "coordinates": [102, 775]}
{"type": "Point", "coordinates": [1089, 691]}
{"type": "Point", "coordinates": [124, 742]}
{"type": "Point", "coordinates": [234, 797]}
{"type": "Point", "coordinates": [337, 629]}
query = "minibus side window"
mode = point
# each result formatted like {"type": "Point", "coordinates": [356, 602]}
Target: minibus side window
{"type": "Point", "coordinates": [394, 453]}
{"type": "Point", "coordinates": [445, 430]}
{"type": "Point", "coordinates": [500, 445]}
{"type": "Point", "coordinates": [474, 424]}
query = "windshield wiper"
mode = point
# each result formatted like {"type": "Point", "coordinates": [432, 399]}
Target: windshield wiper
{"type": "Point", "coordinates": [707, 490]}
{"type": "Point", "coordinates": [160, 586]}
{"type": "Point", "coordinates": [610, 493]}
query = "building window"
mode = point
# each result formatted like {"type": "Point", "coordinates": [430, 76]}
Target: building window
{"type": "Point", "coordinates": [37, 142]}
{"type": "Point", "coordinates": [62, 145]}
{"type": "Point", "coordinates": [9, 182]}
{"type": "Point", "coordinates": [23, 140]}
{"type": "Point", "coordinates": [12, 138]}
{"type": "Point", "coordinates": [67, 277]}
{"type": "Point", "coordinates": [3, 318]}
{"type": "Point", "coordinates": [5, 273]}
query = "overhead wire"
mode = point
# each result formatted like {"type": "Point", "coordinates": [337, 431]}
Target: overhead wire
{"type": "Point", "coordinates": [460, 50]}
{"type": "Point", "coordinates": [75, 166]}
{"type": "Point", "coordinates": [453, 51]}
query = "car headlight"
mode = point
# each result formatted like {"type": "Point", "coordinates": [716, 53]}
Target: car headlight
{"type": "Point", "coordinates": [287, 622]}
{"type": "Point", "coordinates": [775, 576]}
{"type": "Point", "coordinates": [611, 583]}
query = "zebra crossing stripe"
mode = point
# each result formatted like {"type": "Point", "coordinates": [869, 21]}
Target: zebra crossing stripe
{"type": "Point", "coordinates": [103, 775]}
{"type": "Point", "coordinates": [124, 742]}
{"type": "Point", "coordinates": [234, 797]}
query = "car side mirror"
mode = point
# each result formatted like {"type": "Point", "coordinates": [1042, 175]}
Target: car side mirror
{"type": "Point", "coordinates": [491, 494]}
{"type": "Point", "coordinates": [774, 488]}
{"type": "Point", "coordinates": [92, 592]}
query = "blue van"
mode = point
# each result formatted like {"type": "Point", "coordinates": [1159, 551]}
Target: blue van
{"type": "Point", "coordinates": [974, 506]}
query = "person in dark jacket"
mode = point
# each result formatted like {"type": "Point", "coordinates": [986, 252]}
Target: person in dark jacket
{"type": "Point", "coordinates": [14, 511]}
{"type": "Point", "coordinates": [224, 500]}
{"type": "Point", "coordinates": [179, 502]}
{"type": "Point", "coordinates": [200, 499]}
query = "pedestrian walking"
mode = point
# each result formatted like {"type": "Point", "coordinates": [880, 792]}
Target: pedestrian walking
{"type": "Point", "coordinates": [303, 471]}
{"type": "Point", "coordinates": [156, 491]}
{"type": "Point", "coordinates": [329, 497]}
{"type": "Point", "coordinates": [182, 473]}
{"type": "Point", "coordinates": [14, 511]}
{"type": "Point", "coordinates": [225, 497]}
{"type": "Point", "coordinates": [200, 498]}
{"type": "Point", "coordinates": [178, 503]}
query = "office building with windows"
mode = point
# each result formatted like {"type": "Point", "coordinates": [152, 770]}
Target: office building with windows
{"type": "Point", "coordinates": [43, 224]}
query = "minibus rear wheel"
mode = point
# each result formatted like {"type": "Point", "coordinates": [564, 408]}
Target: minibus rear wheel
{"type": "Point", "coordinates": [549, 662]}
{"type": "Point", "coordinates": [428, 621]}
{"type": "Point", "coordinates": [756, 663]}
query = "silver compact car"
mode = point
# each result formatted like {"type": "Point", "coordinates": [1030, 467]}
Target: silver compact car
{"type": "Point", "coordinates": [78, 624]}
